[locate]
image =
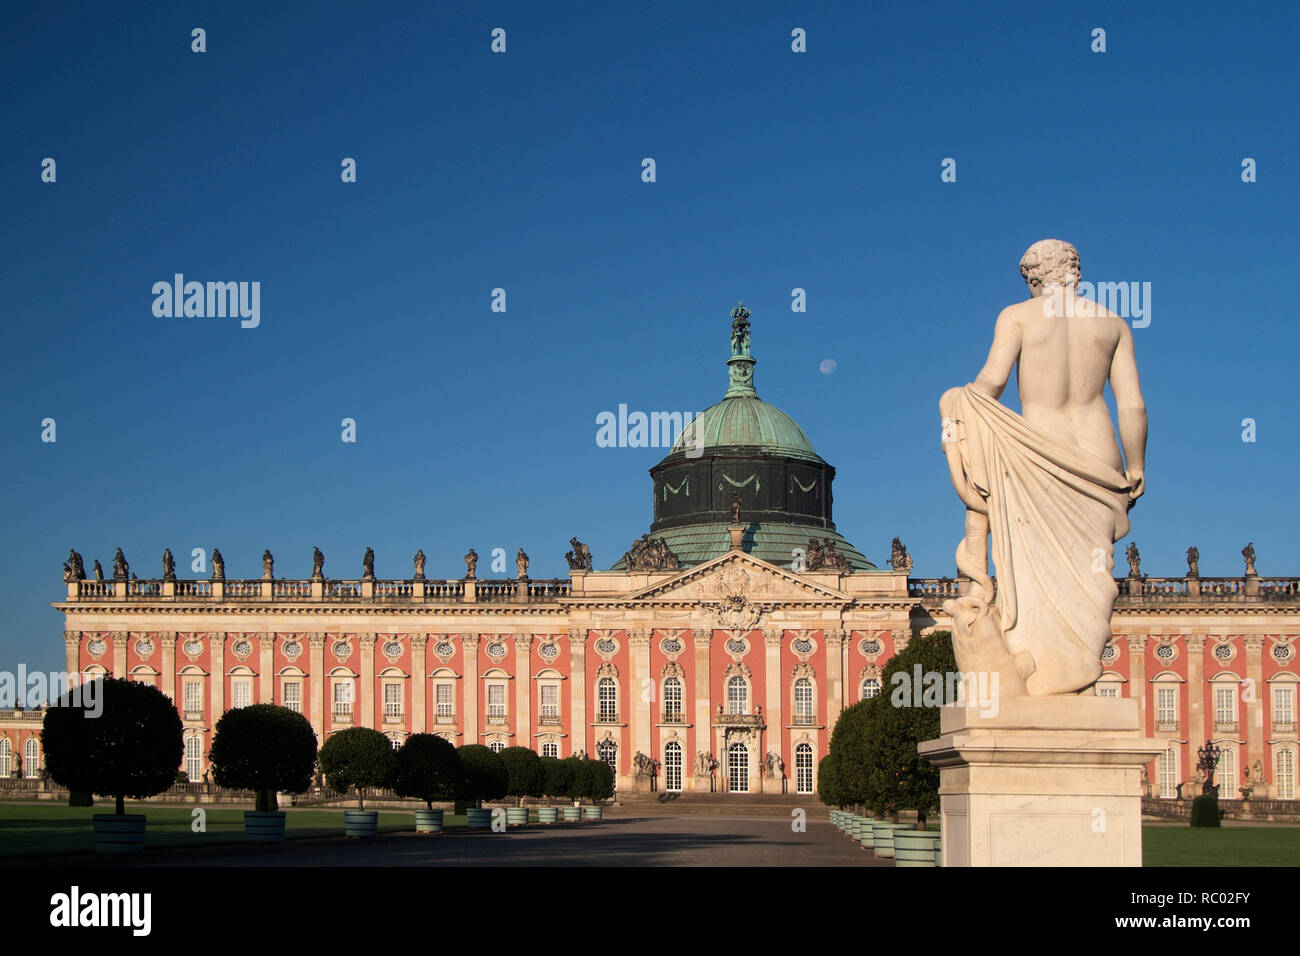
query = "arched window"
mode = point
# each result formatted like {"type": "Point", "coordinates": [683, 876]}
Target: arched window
{"type": "Point", "coordinates": [550, 749]}
{"type": "Point", "coordinates": [738, 768]}
{"type": "Point", "coordinates": [672, 700]}
{"type": "Point", "coordinates": [673, 765]}
{"type": "Point", "coordinates": [737, 696]}
{"type": "Point", "coordinates": [803, 701]}
{"type": "Point", "coordinates": [803, 768]}
{"type": "Point", "coordinates": [496, 746]}
{"type": "Point", "coordinates": [607, 751]}
{"type": "Point", "coordinates": [607, 695]}
{"type": "Point", "coordinates": [870, 688]}
{"type": "Point", "coordinates": [31, 758]}
{"type": "Point", "coordinates": [6, 758]}
{"type": "Point", "coordinates": [194, 758]}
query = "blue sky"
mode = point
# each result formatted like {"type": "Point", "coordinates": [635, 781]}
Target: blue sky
{"type": "Point", "coordinates": [522, 171]}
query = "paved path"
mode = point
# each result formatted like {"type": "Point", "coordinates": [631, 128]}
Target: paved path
{"type": "Point", "coordinates": [634, 839]}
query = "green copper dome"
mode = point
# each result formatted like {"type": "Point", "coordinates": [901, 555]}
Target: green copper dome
{"type": "Point", "coordinates": [750, 422]}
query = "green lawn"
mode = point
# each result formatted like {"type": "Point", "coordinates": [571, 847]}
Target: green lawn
{"type": "Point", "coordinates": [50, 828]}
{"type": "Point", "coordinates": [1227, 846]}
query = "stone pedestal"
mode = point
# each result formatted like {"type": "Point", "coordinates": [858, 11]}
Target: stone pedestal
{"type": "Point", "coordinates": [1047, 781]}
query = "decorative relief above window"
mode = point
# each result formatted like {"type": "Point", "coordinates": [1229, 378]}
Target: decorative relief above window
{"type": "Point", "coordinates": [607, 669]}
{"type": "Point", "coordinates": [444, 650]}
{"type": "Point", "coordinates": [871, 647]}
{"type": "Point", "coordinates": [144, 647]}
{"type": "Point", "coordinates": [96, 647]}
{"type": "Point", "coordinates": [1166, 650]}
{"type": "Point", "coordinates": [342, 650]}
{"type": "Point", "coordinates": [392, 649]}
{"type": "Point", "coordinates": [548, 651]}
{"type": "Point", "coordinates": [242, 648]}
{"type": "Point", "coordinates": [192, 648]}
{"type": "Point", "coordinates": [606, 647]}
{"type": "Point", "coordinates": [1109, 653]}
{"type": "Point", "coordinates": [496, 650]}
{"type": "Point", "coordinates": [803, 646]}
{"type": "Point", "coordinates": [1283, 652]}
{"type": "Point", "coordinates": [1224, 651]}
{"type": "Point", "coordinates": [672, 645]}
{"type": "Point", "coordinates": [737, 647]}
{"type": "Point", "coordinates": [291, 649]}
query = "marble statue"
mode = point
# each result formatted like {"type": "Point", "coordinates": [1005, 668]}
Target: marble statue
{"type": "Point", "coordinates": [471, 562]}
{"type": "Point", "coordinates": [1248, 552]}
{"type": "Point", "coordinates": [774, 765]}
{"type": "Point", "coordinates": [1193, 562]}
{"type": "Point", "coordinates": [268, 566]}
{"type": "Point", "coordinates": [169, 565]}
{"type": "Point", "coordinates": [120, 567]}
{"type": "Point", "coordinates": [218, 565]}
{"type": "Point", "coordinates": [99, 570]}
{"type": "Point", "coordinates": [521, 564]}
{"type": "Point", "coordinates": [317, 564]}
{"type": "Point", "coordinates": [419, 565]}
{"type": "Point", "coordinates": [1134, 560]}
{"type": "Point", "coordinates": [650, 554]}
{"type": "Point", "coordinates": [75, 570]}
{"type": "Point", "coordinates": [1050, 486]}
{"type": "Point", "coordinates": [580, 557]}
{"type": "Point", "coordinates": [368, 565]}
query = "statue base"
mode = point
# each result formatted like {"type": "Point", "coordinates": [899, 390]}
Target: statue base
{"type": "Point", "coordinates": [1046, 781]}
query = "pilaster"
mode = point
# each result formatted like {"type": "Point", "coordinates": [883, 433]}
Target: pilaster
{"type": "Point", "coordinates": [266, 669]}
{"type": "Point", "coordinates": [469, 651]}
{"type": "Point", "coordinates": [1254, 707]}
{"type": "Point", "coordinates": [419, 720]}
{"type": "Point", "coordinates": [317, 680]}
{"type": "Point", "coordinates": [523, 690]}
{"type": "Point", "coordinates": [167, 683]}
{"type": "Point", "coordinates": [367, 644]}
{"type": "Point", "coordinates": [578, 691]}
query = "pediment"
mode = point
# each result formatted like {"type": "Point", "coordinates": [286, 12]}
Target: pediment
{"type": "Point", "coordinates": [738, 577]}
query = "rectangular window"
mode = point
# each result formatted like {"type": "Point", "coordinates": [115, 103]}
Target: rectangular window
{"type": "Point", "coordinates": [1284, 707]}
{"type": "Point", "coordinates": [550, 700]}
{"type": "Point", "coordinates": [1166, 706]}
{"type": "Point", "coordinates": [1108, 690]}
{"type": "Point", "coordinates": [1167, 772]}
{"type": "Point", "coordinates": [1225, 774]}
{"type": "Point", "coordinates": [446, 701]}
{"type": "Point", "coordinates": [343, 700]}
{"type": "Point", "coordinates": [1225, 704]}
{"type": "Point", "coordinates": [194, 759]}
{"type": "Point", "coordinates": [241, 692]}
{"type": "Point", "coordinates": [293, 695]}
{"type": "Point", "coordinates": [392, 702]}
{"type": "Point", "coordinates": [496, 700]}
{"type": "Point", "coordinates": [550, 750]}
{"type": "Point", "coordinates": [1284, 773]}
{"type": "Point", "coordinates": [193, 697]}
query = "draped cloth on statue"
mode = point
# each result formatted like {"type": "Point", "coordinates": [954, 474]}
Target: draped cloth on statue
{"type": "Point", "coordinates": [1055, 512]}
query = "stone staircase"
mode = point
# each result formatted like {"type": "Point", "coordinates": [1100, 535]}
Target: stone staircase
{"type": "Point", "coordinates": [775, 805]}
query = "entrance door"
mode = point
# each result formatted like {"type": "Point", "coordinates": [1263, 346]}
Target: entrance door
{"type": "Point", "coordinates": [607, 751]}
{"type": "Point", "coordinates": [738, 768]}
{"type": "Point", "coordinates": [673, 767]}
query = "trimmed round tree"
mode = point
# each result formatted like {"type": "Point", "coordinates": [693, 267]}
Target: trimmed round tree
{"type": "Point", "coordinates": [849, 753]}
{"type": "Point", "coordinates": [114, 738]}
{"type": "Point", "coordinates": [897, 776]}
{"type": "Point", "coordinates": [264, 748]}
{"type": "Point", "coordinates": [594, 780]}
{"type": "Point", "coordinates": [570, 767]}
{"type": "Point", "coordinates": [482, 774]}
{"type": "Point", "coordinates": [427, 769]}
{"type": "Point", "coordinates": [524, 776]}
{"type": "Point", "coordinates": [557, 777]}
{"type": "Point", "coordinates": [828, 781]}
{"type": "Point", "coordinates": [357, 758]}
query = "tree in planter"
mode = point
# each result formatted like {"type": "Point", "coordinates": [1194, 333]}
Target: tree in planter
{"type": "Point", "coordinates": [570, 767]}
{"type": "Point", "coordinates": [482, 774]}
{"type": "Point", "coordinates": [523, 773]}
{"type": "Point", "coordinates": [427, 769]}
{"type": "Point", "coordinates": [127, 745]}
{"type": "Point", "coordinates": [594, 780]}
{"type": "Point", "coordinates": [266, 749]}
{"type": "Point", "coordinates": [828, 781]}
{"type": "Point", "coordinates": [357, 758]}
{"type": "Point", "coordinates": [897, 776]}
{"type": "Point", "coordinates": [849, 753]}
{"type": "Point", "coordinates": [557, 777]}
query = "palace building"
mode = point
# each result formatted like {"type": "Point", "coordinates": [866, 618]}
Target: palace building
{"type": "Point", "coordinates": [715, 655]}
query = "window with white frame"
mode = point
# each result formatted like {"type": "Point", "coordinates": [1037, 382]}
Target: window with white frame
{"type": "Point", "coordinates": [343, 699]}
{"type": "Point", "coordinates": [1284, 707]}
{"type": "Point", "coordinates": [496, 746]}
{"type": "Point", "coordinates": [293, 695]}
{"type": "Point", "coordinates": [550, 703]}
{"type": "Point", "coordinates": [607, 698]}
{"type": "Point", "coordinates": [803, 700]}
{"type": "Point", "coordinates": [194, 758]}
{"type": "Point", "coordinates": [496, 700]}
{"type": "Point", "coordinates": [444, 699]}
{"type": "Point", "coordinates": [1167, 706]}
{"type": "Point", "coordinates": [738, 696]}
{"type": "Point", "coordinates": [1225, 704]}
{"type": "Point", "coordinates": [396, 741]}
{"type": "Point", "coordinates": [31, 758]}
{"type": "Point", "coordinates": [1107, 688]}
{"type": "Point", "coordinates": [193, 696]}
{"type": "Point", "coordinates": [6, 758]}
{"type": "Point", "coordinates": [1284, 773]}
{"type": "Point", "coordinates": [803, 768]}
{"type": "Point", "coordinates": [672, 699]}
{"type": "Point", "coordinates": [1225, 774]}
{"type": "Point", "coordinates": [550, 749]}
{"type": "Point", "coordinates": [392, 701]}
{"type": "Point", "coordinates": [1167, 772]}
{"type": "Point", "coordinates": [870, 688]}
{"type": "Point", "coordinates": [673, 766]}
{"type": "Point", "coordinates": [241, 692]}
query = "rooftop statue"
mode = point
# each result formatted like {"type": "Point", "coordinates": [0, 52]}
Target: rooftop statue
{"type": "Point", "coordinates": [317, 564]}
{"type": "Point", "coordinates": [1193, 562]}
{"type": "Point", "coordinates": [1050, 486]}
{"type": "Point", "coordinates": [268, 565]}
{"type": "Point", "coordinates": [1248, 552]}
{"type": "Point", "coordinates": [1134, 560]}
{"type": "Point", "coordinates": [218, 565]}
{"type": "Point", "coordinates": [580, 557]}
{"type": "Point", "coordinates": [419, 565]}
{"type": "Point", "coordinates": [169, 565]}
{"type": "Point", "coordinates": [120, 567]}
{"type": "Point", "coordinates": [99, 570]}
{"type": "Point", "coordinates": [899, 559]}
{"type": "Point", "coordinates": [521, 564]}
{"type": "Point", "coordinates": [368, 565]}
{"type": "Point", "coordinates": [471, 562]}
